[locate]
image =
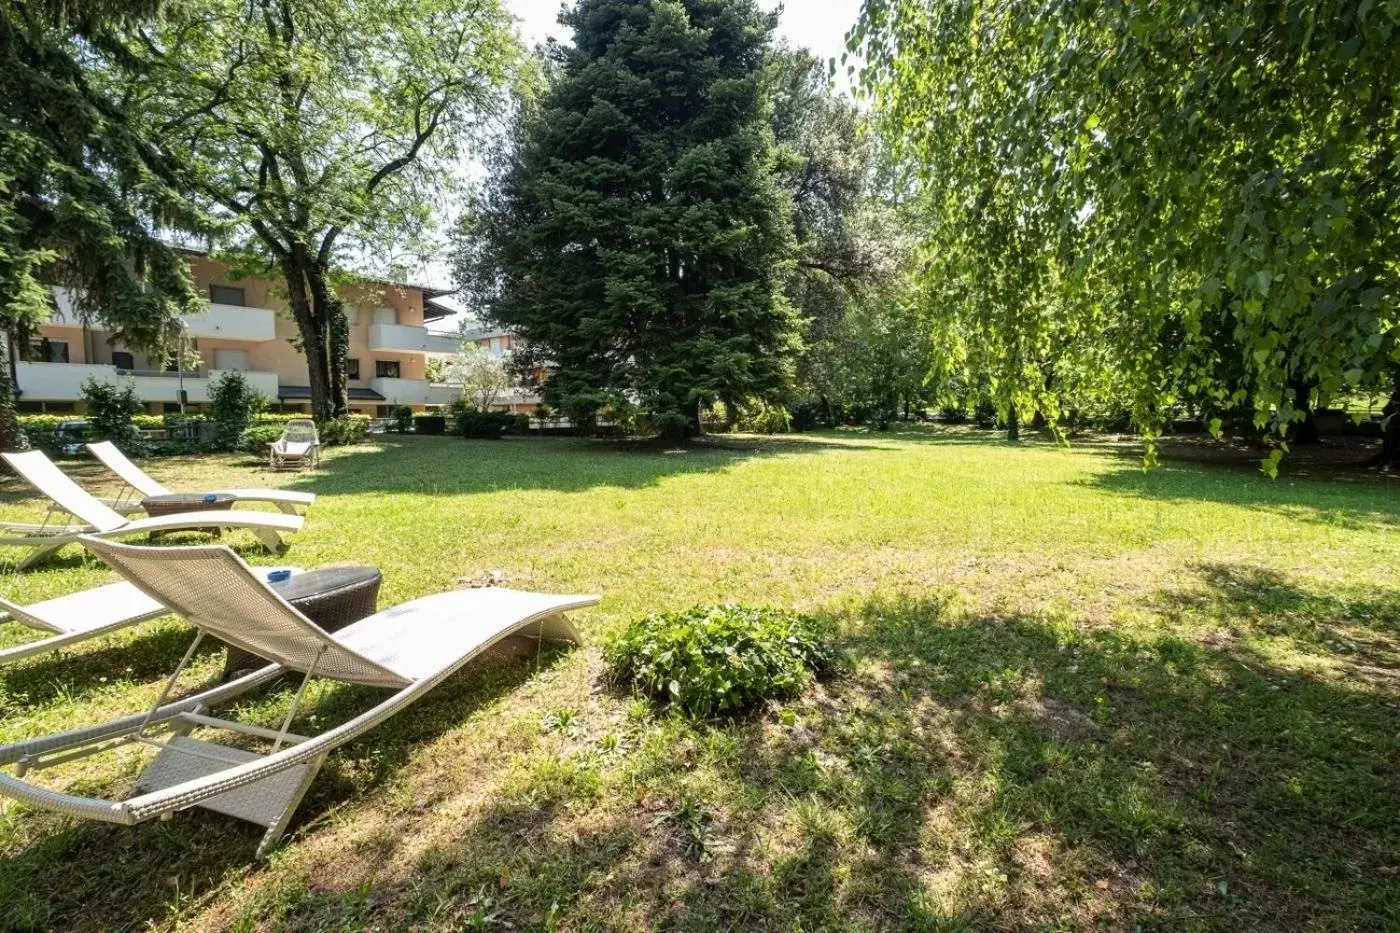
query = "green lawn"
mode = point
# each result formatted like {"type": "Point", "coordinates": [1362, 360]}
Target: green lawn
{"type": "Point", "coordinates": [1075, 694]}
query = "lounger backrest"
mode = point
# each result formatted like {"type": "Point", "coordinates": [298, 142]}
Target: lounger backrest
{"type": "Point", "coordinates": [41, 473]}
{"type": "Point", "coordinates": [213, 589]}
{"type": "Point", "coordinates": [131, 474]}
{"type": "Point", "coordinates": [300, 431]}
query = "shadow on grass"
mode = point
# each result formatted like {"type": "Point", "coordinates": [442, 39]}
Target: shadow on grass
{"type": "Point", "coordinates": [1366, 501]}
{"type": "Point", "coordinates": [452, 466]}
{"type": "Point", "coordinates": [117, 877]}
{"type": "Point", "coordinates": [968, 773]}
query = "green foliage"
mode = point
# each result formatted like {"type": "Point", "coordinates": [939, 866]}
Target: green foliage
{"type": "Point", "coordinates": [714, 660]}
{"type": "Point", "coordinates": [232, 404]}
{"type": "Point", "coordinates": [82, 193]}
{"type": "Point", "coordinates": [760, 417]}
{"type": "Point", "coordinates": [352, 429]}
{"type": "Point", "coordinates": [321, 128]}
{"type": "Point", "coordinates": [259, 437]}
{"type": "Point", "coordinates": [111, 409]}
{"type": "Point", "coordinates": [486, 425]}
{"type": "Point", "coordinates": [429, 424]}
{"type": "Point", "coordinates": [636, 236]}
{"type": "Point", "coordinates": [1168, 204]}
{"type": "Point", "coordinates": [402, 418]}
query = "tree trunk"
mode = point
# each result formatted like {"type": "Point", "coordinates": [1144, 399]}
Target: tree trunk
{"type": "Point", "coordinates": [312, 304]}
{"type": "Point", "coordinates": [1390, 440]}
{"type": "Point", "coordinates": [12, 436]}
{"type": "Point", "coordinates": [1305, 432]}
{"type": "Point", "coordinates": [1013, 424]}
{"type": "Point", "coordinates": [330, 311]}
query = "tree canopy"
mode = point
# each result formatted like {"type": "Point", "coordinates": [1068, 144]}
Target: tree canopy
{"type": "Point", "coordinates": [83, 196]}
{"type": "Point", "coordinates": [1189, 205]}
{"type": "Point", "coordinates": [636, 236]}
{"type": "Point", "coordinates": [322, 131]}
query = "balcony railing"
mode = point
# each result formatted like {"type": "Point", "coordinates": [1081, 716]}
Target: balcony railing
{"type": "Point", "coordinates": [63, 382]}
{"type": "Point", "coordinates": [224, 322]}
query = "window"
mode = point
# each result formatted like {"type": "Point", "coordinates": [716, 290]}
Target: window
{"type": "Point", "coordinates": [352, 313]}
{"type": "Point", "coordinates": [386, 369]}
{"type": "Point", "coordinates": [236, 360]}
{"type": "Point", "coordinates": [352, 368]}
{"type": "Point", "coordinates": [44, 350]}
{"type": "Point", "coordinates": [227, 295]}
{"type": "Point", "coordinates": [386, 316]}
{"type": "Point", "coordinates": [122, 359]}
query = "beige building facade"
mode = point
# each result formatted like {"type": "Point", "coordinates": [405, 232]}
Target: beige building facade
{"type": "Point", "coordinates": [247, 328]}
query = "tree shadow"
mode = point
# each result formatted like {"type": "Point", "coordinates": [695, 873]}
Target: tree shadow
{"type": "Point", "coordinates": [125, 877]}
{"type": "Point", "coordinates": [414, 465]}
{"type": "Point", "coordinates": [1245, 600]}
{"type": "Point", "coordinates": [967, 772]}
{"type": "Point", "coordinates": [1364, 502]}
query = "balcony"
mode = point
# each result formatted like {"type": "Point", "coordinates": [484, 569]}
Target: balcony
{"type": "Point", "coordinates": [233, 322]}
{"type": "Point", "coordinates": [223, 322]}
{"type": "Point", "coordinates": [63, 382]}
{"type": "Point", "coordinates": [404, 338]}
{"type": "Point", "coordinates": [401, 391]}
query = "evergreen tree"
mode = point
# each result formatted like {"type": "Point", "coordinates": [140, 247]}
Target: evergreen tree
{"type": "Point", "coordinates": [82, 193]}
{"type": "Point", "coordinates": [636, 236]}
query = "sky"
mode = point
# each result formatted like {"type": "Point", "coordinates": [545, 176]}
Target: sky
{"type": "Point", "coordinates": [819, 25]}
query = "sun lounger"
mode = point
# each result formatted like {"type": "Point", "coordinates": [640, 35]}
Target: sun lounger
{"type": "Point", "coordinates": [101, 520]}
{"type": "Point", "coordinates": [297, 448]}
{"type": "Point", "coordinates": [145, 485]}
{"type": "Point", "coordinates": [409, 649]}
{"type": "Point", "coordinates": [81, 616]}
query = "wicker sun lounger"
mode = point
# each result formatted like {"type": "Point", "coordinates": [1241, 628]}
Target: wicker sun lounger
{"type": "Point", "coordinates": [66, 496]}
{"type": "Point", "coordinates": [409, 649]}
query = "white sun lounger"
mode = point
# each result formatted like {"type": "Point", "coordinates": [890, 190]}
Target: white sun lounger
{"type": "Point", "coordinates": [145, 485]}
{"type": "Point", "coordinates": [298, 447]}
{"type": "Point", "coordinates": [410, 649]}
{"type": "Point", "coordinates": [103, 521]}
{"type": "Point", "coordinates": [81, 616]}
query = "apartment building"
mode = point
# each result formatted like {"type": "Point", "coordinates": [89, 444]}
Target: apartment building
{"type": "Point", "coordinates": [247, 328]}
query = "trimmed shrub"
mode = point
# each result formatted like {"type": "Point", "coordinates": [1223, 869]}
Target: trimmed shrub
{"type": "Point", "coordinates": [430, 424]}
{"type": "Point", "coordinates": [719, 660]}
{"type": "Point", "coordinates": [110, 412]}
{"type": "Point", "coordinates": [259, 437]}
{"type": "Point", "coordinates": [485, 425]}
{"type": "Point", "coordinates": [402, 418]}
{"type": "Point", "coordinates": [232, 404]}
{"type": "Point", "coordinates": [339, 432]}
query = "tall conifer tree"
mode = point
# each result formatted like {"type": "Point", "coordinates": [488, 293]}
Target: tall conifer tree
{"type": "Point", "coordinates": [636, 236]}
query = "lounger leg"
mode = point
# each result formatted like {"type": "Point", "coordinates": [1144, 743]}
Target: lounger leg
{"type": "Point", "coordinates": [270, 539]}
{"type": "Point", "coordinates": [38, 554]}
{"type": "Point", "coordinates": [287, 507]}
{"type": "Point", "coordinates": [274, 832]}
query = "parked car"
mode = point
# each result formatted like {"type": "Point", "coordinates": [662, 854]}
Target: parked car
{"type": "Point", "coordinates": [70, 436]}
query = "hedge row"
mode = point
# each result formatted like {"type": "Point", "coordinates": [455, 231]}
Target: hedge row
{"type": "Point", "coordinates": [49, 423]}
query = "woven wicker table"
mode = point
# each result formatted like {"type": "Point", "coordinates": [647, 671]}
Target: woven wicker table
{"type": "Point", "coordinates": [176, 503]}
{"type": "Point", "coordinates": [332, 598]}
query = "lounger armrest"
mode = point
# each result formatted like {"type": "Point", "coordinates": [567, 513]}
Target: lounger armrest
{"type": "Point", "coordinates": [89, 808]}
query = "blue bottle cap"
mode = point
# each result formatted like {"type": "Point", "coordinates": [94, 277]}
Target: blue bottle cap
{"type": "Point", "coordinates": [277, 576]}
{"type": "Point", "coordinates": [211, 497]}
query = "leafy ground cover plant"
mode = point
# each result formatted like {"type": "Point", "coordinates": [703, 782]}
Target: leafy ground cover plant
{"type": "Point", "coordinates": [717, 660]}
